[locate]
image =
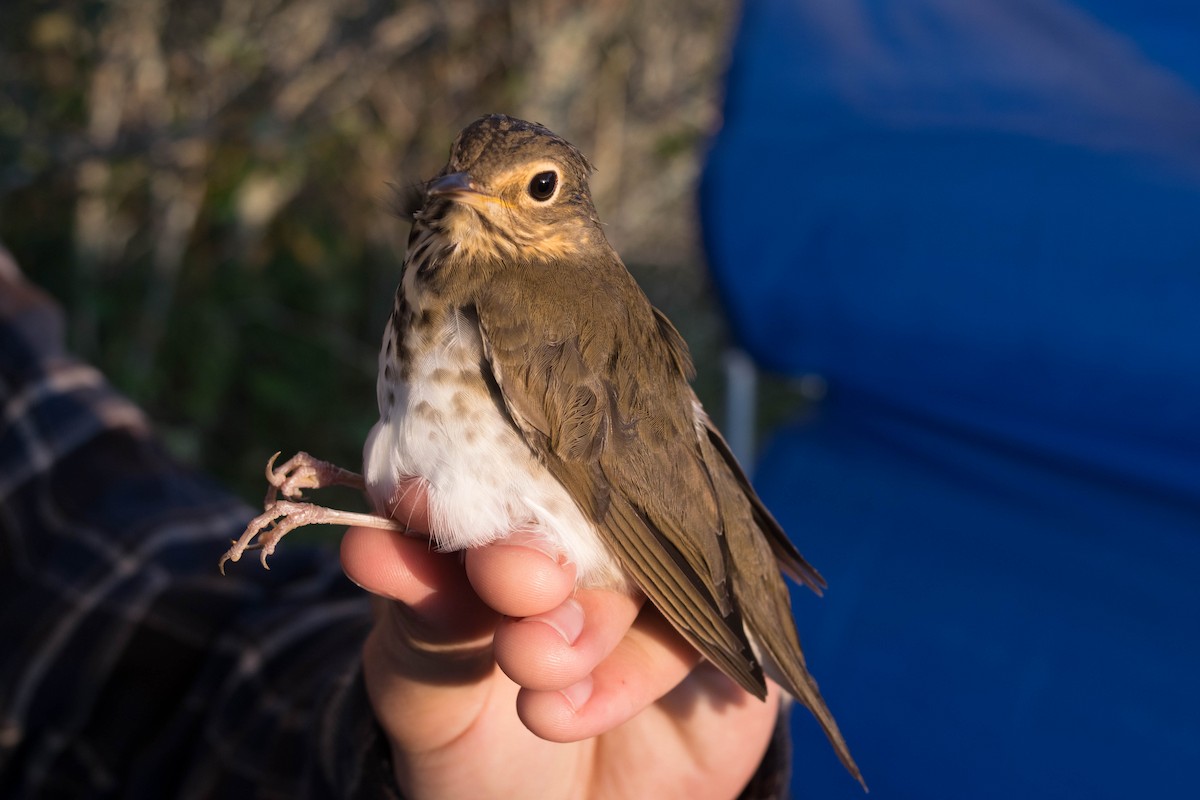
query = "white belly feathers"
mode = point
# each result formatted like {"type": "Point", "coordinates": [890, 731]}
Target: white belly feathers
{"type": "Point", "coordinates": [484, 481]}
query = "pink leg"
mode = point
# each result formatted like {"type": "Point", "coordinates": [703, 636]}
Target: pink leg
{"type": "Point", "coordinates": [284, 516]}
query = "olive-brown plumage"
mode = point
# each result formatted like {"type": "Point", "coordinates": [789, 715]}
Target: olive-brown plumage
{"type": "Point", "coordinates": [528, 380]}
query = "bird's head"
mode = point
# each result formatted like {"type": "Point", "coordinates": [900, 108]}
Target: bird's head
{"type": "Point", "coordinates": [512, 189]}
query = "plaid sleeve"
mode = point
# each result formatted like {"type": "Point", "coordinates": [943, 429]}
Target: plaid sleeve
{"type": "Point", "coordinates": [128, 666]}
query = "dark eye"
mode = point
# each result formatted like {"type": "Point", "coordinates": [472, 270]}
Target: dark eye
{"type": "Point", "coordinates": [541, 188]}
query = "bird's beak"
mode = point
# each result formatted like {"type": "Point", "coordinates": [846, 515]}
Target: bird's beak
{"type": "Point", "coordinates": [462, 189]}
{"type": "Point", "coordinates": [456, 183]}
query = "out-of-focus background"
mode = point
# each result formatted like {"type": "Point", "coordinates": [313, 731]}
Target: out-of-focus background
{"type": "Point", "coordinates": [210, 187]}
{"type": "Point", "coordinates": [987, 244]}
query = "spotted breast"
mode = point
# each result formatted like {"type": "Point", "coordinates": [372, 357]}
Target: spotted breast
{"type": "Point", "coordinates": [441, 418]}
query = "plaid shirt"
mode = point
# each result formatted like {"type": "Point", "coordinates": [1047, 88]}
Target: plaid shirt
{"type": "Point", "coordinates": [129, 666]}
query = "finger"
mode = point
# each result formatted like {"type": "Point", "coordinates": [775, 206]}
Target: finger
{"type": "Point", "coordinates": [438, 602]}
{"type": "Point", "coordinates": [648, 663]}
{"type": "Point", "coordinates": [518, 577]}
{"type": "Point", "coordinates": [559, 648]}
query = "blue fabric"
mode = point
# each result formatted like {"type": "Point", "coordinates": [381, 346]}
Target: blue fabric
{"type": "Point", "coordinates": [980, 222]}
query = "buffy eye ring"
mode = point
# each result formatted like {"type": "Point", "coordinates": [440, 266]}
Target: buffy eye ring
{"type": "Point", "coordinates": [542, 186]}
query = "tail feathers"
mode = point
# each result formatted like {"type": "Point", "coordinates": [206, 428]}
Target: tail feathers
{"type": "Point", "coordinates": [784, 663]}
{"type": "Point", "coordinates": [757, 549]}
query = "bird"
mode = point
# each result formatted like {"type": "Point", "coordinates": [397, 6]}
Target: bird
{"type": "Point", "coordinates": [528, 382]}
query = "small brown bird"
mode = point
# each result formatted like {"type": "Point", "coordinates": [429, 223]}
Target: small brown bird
{"type": "Point", "coordinates": [528, 381]}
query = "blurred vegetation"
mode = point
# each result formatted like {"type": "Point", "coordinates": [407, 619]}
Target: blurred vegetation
{"type": "Point", "coordinates": [207, 185]}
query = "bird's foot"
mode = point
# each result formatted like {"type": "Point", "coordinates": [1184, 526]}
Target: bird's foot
{"type": "Point", "coordinates": [302, 471]}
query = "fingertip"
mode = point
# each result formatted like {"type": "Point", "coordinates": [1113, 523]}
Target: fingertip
{"type": "Point", "coordinates": [557, 648]}
{"type": "Point", "coordinates": [650, 662]}
{"type": "Point", "coordinates": [580, 711]}
{"type": "Point", "coordinates": [517, 579]}
{"type": "Point", "coordinates": [553, 715]}
{"type": "Point", "coordinates": [397, 566]}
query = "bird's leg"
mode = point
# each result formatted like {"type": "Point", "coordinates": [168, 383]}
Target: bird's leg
{"type": "Point", "coordinates": [284, 516]}
{"type": "Point", "coordinates": [301, 471]}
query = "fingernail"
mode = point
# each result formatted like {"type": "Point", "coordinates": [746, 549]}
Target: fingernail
{"type": "Point", "coordinates": [567, 620]}
{"type": "Point", "coordinates": [577, 694]}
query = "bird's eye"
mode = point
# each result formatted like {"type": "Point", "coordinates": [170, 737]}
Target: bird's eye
{"type": "Point", "coordinates": [541, 188]}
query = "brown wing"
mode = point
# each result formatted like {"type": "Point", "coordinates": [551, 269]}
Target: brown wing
{"type": "Point", "coordinates": [790, 560]}
{"type": "Point", "coordinates": [607, 405]}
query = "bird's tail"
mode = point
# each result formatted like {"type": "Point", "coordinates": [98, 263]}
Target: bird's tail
{"type": "Point", "coordinates": [784, 663]}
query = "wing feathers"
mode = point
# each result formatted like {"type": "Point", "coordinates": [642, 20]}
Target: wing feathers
{"type": "Point", "coordinates": [790, 560]}
{"type": "Point", "coordinates": [566, 408]}
{"type": "Point", "coordinates": [675, 594]}
{"type": "Point", "coordinates": [641, 480]}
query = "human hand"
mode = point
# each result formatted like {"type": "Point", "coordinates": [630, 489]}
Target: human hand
{"type": "Point", "coordinates": [492, 676]}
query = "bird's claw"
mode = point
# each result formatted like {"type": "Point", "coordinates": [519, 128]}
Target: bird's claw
{"type": "Point", "coordinates": [268, 528]}
{"type": "Point", "coordinates": [293, 475]}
